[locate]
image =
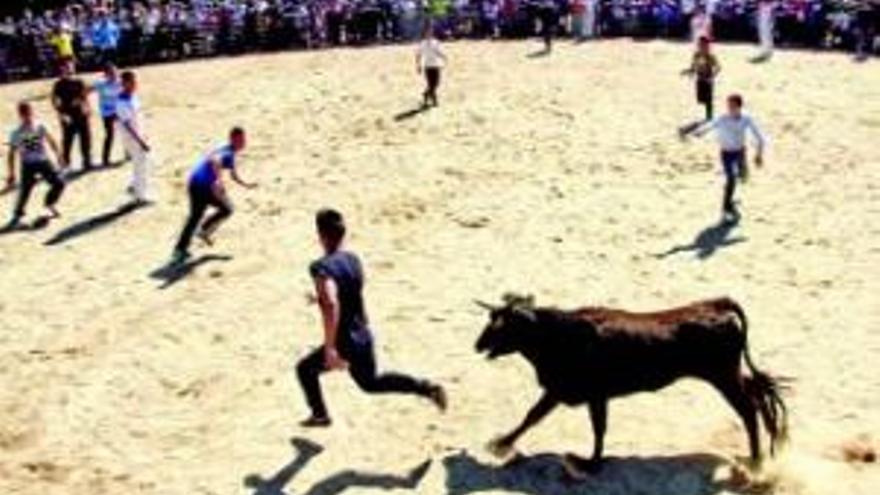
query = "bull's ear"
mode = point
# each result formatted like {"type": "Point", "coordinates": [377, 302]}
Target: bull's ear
{"type": "Point", "coordinates": [514, 299]}
{"type": "Point", "coordinates": [485, 305]}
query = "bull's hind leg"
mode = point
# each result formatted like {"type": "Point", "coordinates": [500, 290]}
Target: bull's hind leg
{"type": "Point", "coordinates": [733, 389]}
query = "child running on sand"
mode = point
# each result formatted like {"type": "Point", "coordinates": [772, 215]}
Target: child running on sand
{"type": "Point", "coordinates": [28, 141]}
{"type": "Point", "coordinates": [430, 60]}
{"type": "Point", "coordinates": [348, 341]}
{"type": "Point", "coordinates": [731, 130]}
{"type": "Point", "coordinates": [705, 67]}
{"type": "Point", "coordinates": [206, 188]}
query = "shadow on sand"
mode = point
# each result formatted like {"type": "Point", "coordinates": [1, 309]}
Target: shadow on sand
{"type": "Point", "coordinates": [334, 484]}
{"type": "Point", "coordinates": [174, 271]}
{"type": "Point", "coordinates": [541, 474]}
{"type": "Point", "coordinates": [80, 173]}
{"type": "Point", "coordinates": [689, 128]}
{"type": "Point", "coordinates": [708, 241]}
{"type": "Point", "coordinates": [94, 223]}
{"type": "Point", "coordinates": [38, 224]}
{"type": "Point", "coordinates": [540, 53]}
{"type": "Point", "coordinates": [544, 474]}
{"type": "Point", "coordinates": [761, 59]}
{"type": "Point", "coordinates": [412, 113]}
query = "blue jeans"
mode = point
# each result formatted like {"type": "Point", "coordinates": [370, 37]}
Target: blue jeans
{"type": "Point", "coordinates": [735, 168]}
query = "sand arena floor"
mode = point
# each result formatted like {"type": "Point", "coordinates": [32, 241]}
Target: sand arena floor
{"type": "Point", "coordinates": [561, 176]}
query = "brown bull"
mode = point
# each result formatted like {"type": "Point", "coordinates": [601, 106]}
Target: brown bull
{"type": "Point", "coordinates": [591, 355]}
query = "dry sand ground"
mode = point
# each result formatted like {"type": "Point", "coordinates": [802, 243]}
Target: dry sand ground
{"type": "Point", "coordinates": [561, 176]}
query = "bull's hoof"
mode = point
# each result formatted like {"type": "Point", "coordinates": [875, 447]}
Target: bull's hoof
{"type": "Point", "coordinates": [579, 468]}
{"type": "Point", "coordinates": [500, 448]}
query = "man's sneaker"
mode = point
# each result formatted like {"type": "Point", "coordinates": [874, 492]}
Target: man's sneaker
{"type": "Point", "coordinates": [13, 224]}
{"type": "Point", "coordinates": [180, 256]}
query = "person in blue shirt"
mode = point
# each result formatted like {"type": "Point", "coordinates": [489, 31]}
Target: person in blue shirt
{"type": "Point", "coordinates": [108, 90]}
{"type": "Point", "coordinates": [206, 188]}
{"type": "Point", "coordinates": [348, 341]}
{"type": "Point", "coordinates": [105, 36]}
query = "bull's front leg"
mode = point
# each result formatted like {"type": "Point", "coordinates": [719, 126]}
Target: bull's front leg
{"type": "Point", "coordinates": [599, 418]}
{"type": "Point", "coordinates": [503, 446]}
{"type": "Point", "coordinates": [577, 466]}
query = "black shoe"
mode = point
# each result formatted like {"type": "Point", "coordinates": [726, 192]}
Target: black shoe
{"type": "Point", "coordinates": [316, 422]}
{"type": "Point", "coordinates": [13, 224]}
{"type": "Point", "coordinates": [180, 256]}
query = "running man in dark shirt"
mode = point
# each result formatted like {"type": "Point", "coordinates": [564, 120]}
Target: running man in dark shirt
{"type": "Point", "coordinates": [70, 97]}
{"type": "Point", "coordinates": [348, 342]}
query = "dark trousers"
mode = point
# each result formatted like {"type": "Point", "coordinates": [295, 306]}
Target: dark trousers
{"type": "Point", "coordinates": [30, 174]}
{"type": "Point", "coordinates": [549, 23]}
{"type": "Point", "coordinates": [362, 367]}
{"type": "Point", "coordinates": [200, 198]}
{"type": "Point", "coordinates": [705, 95]}
{"type": "Point", "coordinates": [109, 134]}
{"type": "Point", "coordinates": [432, 82]}
{"type": "Point", "coordinates": [735, 169]}
{"type": "Point", "coordinates": [73, 127]}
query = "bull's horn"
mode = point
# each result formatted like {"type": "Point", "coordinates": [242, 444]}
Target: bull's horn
{"type": "Point", "coordinates": [484, 305]}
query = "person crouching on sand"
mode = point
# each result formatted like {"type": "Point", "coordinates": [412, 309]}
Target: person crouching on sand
{"type": "Point", "coordinates": [430, 60]}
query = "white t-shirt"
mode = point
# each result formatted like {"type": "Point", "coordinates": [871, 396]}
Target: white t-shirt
{"type": "Point", "coordinates": [128, 109]}
{"type": "Point", "coordinates": [731, 132]}
{"type": "Point", "coordinates": [430, 54]}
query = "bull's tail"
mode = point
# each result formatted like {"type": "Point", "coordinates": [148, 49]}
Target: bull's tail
{"type": "Point", "coordinates": [765, 390]}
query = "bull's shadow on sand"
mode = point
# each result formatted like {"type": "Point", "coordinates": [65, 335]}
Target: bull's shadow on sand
{"type": "Point", "coordinates": [174, 271]}
{"type": "Point", "coordinates": [544, 474]}
{"type": "Point", "coordinates": [708, 241]}
{"type": "Point", "coordinates": [334, 484]}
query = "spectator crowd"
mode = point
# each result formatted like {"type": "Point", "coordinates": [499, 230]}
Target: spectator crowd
{"type": "Point", "coordinates": [94, 32]}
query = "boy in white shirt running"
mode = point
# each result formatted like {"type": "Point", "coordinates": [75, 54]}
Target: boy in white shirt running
{"type": "Point", "coordinates": [128, 122]}
{"type": "Point", "coordinates": [731, 131]}
{"type": "Point", "coordinates": [430, 60]}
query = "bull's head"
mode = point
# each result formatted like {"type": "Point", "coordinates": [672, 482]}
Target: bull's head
{"type": "Point", "coordinates": [509, 326]}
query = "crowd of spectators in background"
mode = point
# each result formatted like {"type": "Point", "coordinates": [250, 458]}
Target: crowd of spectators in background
{"type": "Point", "coordinates": [94, 32]}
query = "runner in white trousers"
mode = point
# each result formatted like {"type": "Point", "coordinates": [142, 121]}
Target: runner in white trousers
{"type": "Point", "coordinates": [130, 130]}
